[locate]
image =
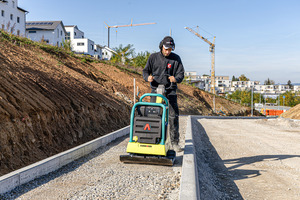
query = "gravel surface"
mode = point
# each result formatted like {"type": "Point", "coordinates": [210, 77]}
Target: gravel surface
{"type": "Point", "coordinates": [101, 175]}
{"type": "Point", "coordinates": [248, 159]}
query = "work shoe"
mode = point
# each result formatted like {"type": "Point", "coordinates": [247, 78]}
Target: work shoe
{"type": "Point", "coordinates": [177, 148]}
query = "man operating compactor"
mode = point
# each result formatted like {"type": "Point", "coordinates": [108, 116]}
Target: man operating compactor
{"type": "Point", "coordinates": [165, 67]}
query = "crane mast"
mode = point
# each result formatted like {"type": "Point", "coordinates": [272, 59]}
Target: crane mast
{"type": "Point", "coordinates": [212, 50]}
{"type": "Point", "coordinates": [129, 25]}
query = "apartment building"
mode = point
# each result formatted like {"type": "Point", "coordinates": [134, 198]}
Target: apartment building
{"type": "Point", "coordinates": [224, 85]}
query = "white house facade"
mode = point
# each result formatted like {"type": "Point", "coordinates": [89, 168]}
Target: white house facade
{"type": "Point", "coordinates": [80, 44]}
{"type": "Point", "coordinates": [51, 32]}
{"type": "Point", "coordinates": [12, 17]}
{"type": "Point", "coordinates": [98, 51]}
{"type": "Point", "coordinates": [73, 32]}
{"type": "Point", "coordinates": [83, 46]}
{"type": "Point", "coordinates": [107, 53]}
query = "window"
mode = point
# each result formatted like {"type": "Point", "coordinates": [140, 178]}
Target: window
{"type": "Point", "coordinates": [68, 36]}
{"type": "Point", "coordinates": [80, 44]}
{"type": "Point", "coordinates": [60, 32]}
{"type": "Point", "coordinates": [31, 31]}
{"type": "Point", "coordinates": [13, 4]}
{"type": "Point", "coordinates": [2, 13]}
{"type": "Point", "coordinates": [18, 32]}
{"type": "Point", "coordinates": [11, 16]}
{"type": "Point", "coordinates": [92, 47]}
{"type": "Point", "coordinates": [18, 19]}
{"type": "Point", "coordinates": [57, 35]}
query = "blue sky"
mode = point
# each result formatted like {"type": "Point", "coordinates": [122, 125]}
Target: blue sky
{"type": "Point", "coordinates": [258, 38]}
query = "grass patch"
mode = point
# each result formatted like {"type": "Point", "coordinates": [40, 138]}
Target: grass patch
{"type": "Point", "coordinates": [124, 69]}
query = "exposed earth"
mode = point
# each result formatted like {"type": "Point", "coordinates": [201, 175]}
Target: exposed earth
{"type": "Point", "coordinates": [293, 113]}
{"type": "Point", "coordinates": [52, 100]}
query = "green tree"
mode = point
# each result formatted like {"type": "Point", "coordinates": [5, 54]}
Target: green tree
{"type": "Point", "coordinates": [244, 97]}
{"type": "Point", "coordinates": [269, 82]}
{"type": "Point", "coordinates": [67, 45]}
{"type": "Point", "coordinates": [141, 59]}
{"type": "Point", "coordinates": [289, 83]}
{"type": "Point", "coordinates": [124, 54]}
{"type": "Point", "coordinates": [234, 78]}
{"type": "Point", "coordinates": [291, 99]}
{"type": "Point", "coordinates": [243, 78]}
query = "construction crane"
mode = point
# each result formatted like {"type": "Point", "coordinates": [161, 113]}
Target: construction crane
{"type": "Point", "coordinates": [212, 50]}
{"type": "Point", "coordinates": [129, 25]}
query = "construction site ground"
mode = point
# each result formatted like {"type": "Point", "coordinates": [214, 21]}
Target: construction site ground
{"type": "Point", "coordinates": [248, 159]}
{"type": "Point", "coordinates": [51, 100]}
{"type": "Point", "coordinates": [236, 159]}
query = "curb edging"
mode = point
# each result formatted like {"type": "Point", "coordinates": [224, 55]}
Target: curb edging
{"type": "Point", "coordinates": [189, 184]}
{"type": "Point", "coordinates": [21, 176]}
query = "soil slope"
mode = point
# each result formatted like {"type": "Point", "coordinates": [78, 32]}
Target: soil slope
{"type": "Point", "coordinates": [293, 113]}
{"type": "Point", "coordinates": [51, 101]}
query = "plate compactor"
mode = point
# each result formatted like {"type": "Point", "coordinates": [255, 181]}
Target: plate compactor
{"type": "Point", "coordinates": [149, 141]}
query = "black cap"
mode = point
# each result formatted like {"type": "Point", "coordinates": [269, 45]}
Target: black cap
{"type": "Point", "coordinates": [168, 42]}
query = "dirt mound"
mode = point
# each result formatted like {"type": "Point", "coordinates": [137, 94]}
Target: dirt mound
{"type": "Point", "coordinates": [293, 113]}
{"type": "Point", "coordinates": [51, 101]}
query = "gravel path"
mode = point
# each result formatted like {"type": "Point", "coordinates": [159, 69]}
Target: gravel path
{"type": "Point", "coordinates": [101, 175]}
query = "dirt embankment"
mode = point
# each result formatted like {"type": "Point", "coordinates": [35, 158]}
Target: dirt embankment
{"type": "Point", "coordinates": [50, 102]}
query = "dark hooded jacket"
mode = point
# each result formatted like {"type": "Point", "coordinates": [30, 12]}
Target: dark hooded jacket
{"type": "Point", "coordinates": [161, 67]}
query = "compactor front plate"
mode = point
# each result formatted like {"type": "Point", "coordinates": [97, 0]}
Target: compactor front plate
{"type": "Point", "coordinates": [148, 159]}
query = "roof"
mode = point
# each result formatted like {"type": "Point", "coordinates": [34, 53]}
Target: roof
{"type": "Point", "coordinates": [42, 25]}
{"type": "Point", "coordinates": [108, 49]}
{"type": "Point", "coordinates": [75, 26]}
{"type": "Point", "coordinates": [23, 10]}
{"type": "Point", "coordinates": [5, 1]}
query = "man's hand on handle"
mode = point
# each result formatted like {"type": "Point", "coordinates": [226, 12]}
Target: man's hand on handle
{"type": "Point", "coordinates": [150, 78]}
{"type": "Point", "coordinates": [172, 79]}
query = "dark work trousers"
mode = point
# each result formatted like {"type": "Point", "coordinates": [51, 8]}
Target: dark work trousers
{"type": "Point", "coordinates": [173, 115]}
